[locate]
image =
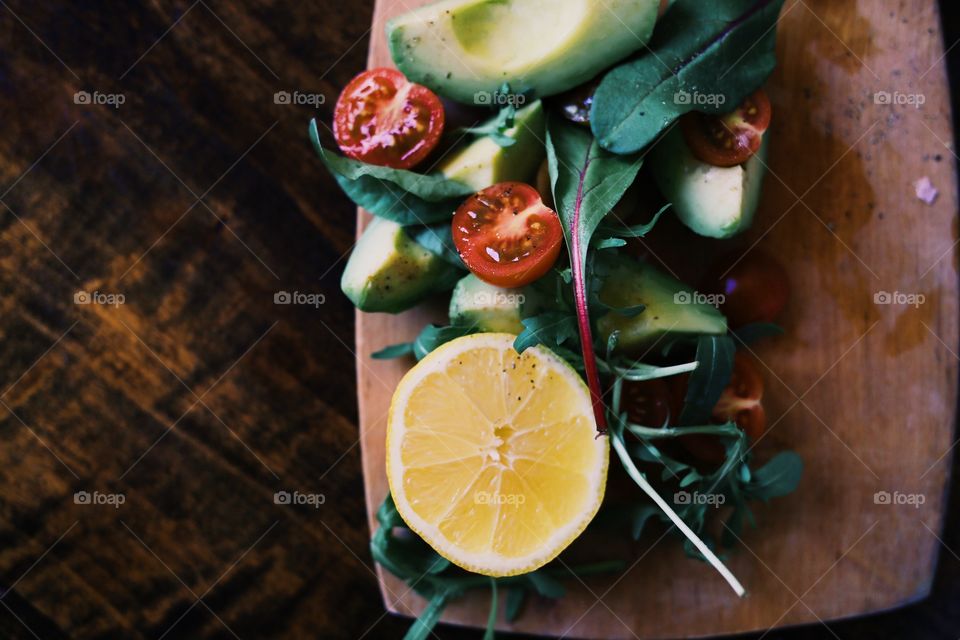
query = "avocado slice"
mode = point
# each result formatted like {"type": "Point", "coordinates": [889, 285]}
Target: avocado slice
{"type": "Point", "coordinates": [486, 307]}
{"type": "Point", "coordinates": [483, 162]}
{"type": "Point", "coordinates": [717, 202]}
{"type": "Point", "coordinates": [388, 271]}
{"type": "Point", "coordinates": [467, 49]}
{"type": "Point", "coordinates": [670, 307]}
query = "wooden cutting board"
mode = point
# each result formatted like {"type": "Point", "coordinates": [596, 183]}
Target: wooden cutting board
{"type": "Point", "coordinates": [865, 392]}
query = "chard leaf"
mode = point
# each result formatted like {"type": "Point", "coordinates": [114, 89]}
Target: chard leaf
{"type": "Point", "coordinates": [714, 368]}
{"type": "Point", "coordinates": [704, 56]}
{"type": "Point", "coordinates": [587, 182]}
{"type": "Point", "coordinates": [405, 197]}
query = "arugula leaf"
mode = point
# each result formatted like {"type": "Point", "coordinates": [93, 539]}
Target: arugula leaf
{"type": "Point", "coordinates": [546, 586]}
{"type": "Point", "coordinates": [405, 197]}
{"type": "Point", "coordinates": [433, 336]}
{"type": "Point", "coordinates": [551, 328]}
{"type": "Point", "coordinates": [393, 351]}
{"type": "Point", "coordinates": [404, 554]}
{"type": "Point", "coordinates": [733, 527]}
{"type": "Point", "coordinates": [587, 182]}
{"type": "Point", "coordinates": [714, 368]}
{"type": "Point", "coordinates": [610, 243]}
{"type": "Point", "coordinates": [634, 231]}
{"type": "Point", "coordinates": [515, 600]}
{"type": "Point", "coordinates": [425, 624]}
{"type": "Point", "coordinates": [778, 477]}
{"type": "Point", "coordinates": [619, 446]}
{"type": "Point", "coordinates": [638, 371]}
{"type": "Point", "coordinates": [437, 239]}
{"type": "Point", "coordinates": [640, 518]}
{"type": "Point", "coordinates": [497, 127]}
{"type": "Point", "coordinates": [492, 616]}
{"type": "Point", "coordinates": [712, 49]}
{"type": "Point", "coordinates": [631, 311]}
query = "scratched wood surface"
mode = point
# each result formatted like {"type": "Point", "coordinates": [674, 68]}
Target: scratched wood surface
{"type": "Point", "coordinates": [92, 200]}
{"type": "Point", "coordinates": [865, 392]}
{"type": "Point", "coordinates": [111, 206]}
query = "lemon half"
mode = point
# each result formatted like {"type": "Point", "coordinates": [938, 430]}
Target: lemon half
{"type": "Point", "coordinates": [493, 457]}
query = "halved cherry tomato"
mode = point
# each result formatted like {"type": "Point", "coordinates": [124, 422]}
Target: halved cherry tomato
{"type": "Point", "coordinates": [755, 289]}
{"type": "Point", "coordinates": [730, 139]}
{"type": "Point", "coordinates": [382, 118]}
{"type": "Point", "coordinates": [741, 400]}
{"type": "Point", "coordinates": [652, 403]}
{"type": "Point", "coordinates": [506, 235]}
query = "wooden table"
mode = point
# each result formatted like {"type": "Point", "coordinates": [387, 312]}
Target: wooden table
{"type": "Point", "coordinates": [198, 398]}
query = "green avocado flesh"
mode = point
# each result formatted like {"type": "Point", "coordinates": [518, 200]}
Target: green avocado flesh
{"type": "Point", "coordinates": [483, 162]}
{"type": "Point", "coordinates": [467, 49]}
{"type": "Point", "coordinates": [486, 307]}
{"type": "Point", "coordinates": [388, 271]}
{"type": "Point", "coordinates": [671, 307]}
{"type": "Point", "coordinates": [717, 202]}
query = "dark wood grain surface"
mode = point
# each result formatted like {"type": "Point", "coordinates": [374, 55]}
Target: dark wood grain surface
{"type": "Point", "coordinates": [197, 200]}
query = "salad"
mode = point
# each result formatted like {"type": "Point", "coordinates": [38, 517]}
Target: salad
{"type": "Point", "coordinates": [566, 338]}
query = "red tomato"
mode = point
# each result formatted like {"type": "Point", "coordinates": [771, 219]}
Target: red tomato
{"type": "Point", "coordinates": [740, 401]}
{"type": "Point", "coordinates": [651, 403]}
{"type": "Point", "coordinates": [506, 235]}
{"type": "Point", "coordinates": [730, 139]}
{"type": "Point", "coordinates": [755, 289]}
{"type": "Point", "coordinates": [382, 118]}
